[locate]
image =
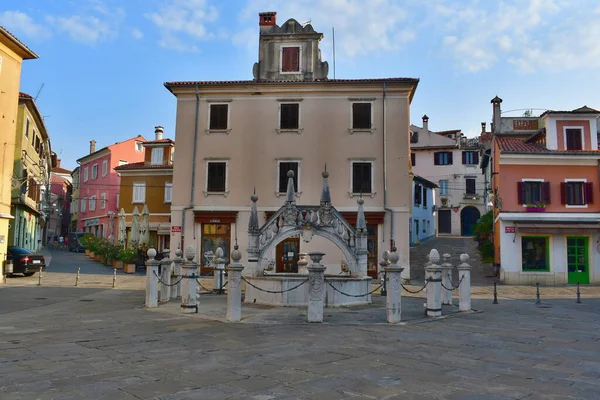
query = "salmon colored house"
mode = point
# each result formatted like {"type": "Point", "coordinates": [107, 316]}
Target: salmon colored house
{"type": "Point", "coordinates": [545, 190]}
{"type": "Point", "coordinates": [99, 184]}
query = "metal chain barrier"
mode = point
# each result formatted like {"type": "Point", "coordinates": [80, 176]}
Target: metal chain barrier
{"type": "Point", "coordinates": [199, 284]}
{"type": "Point", "coordinates": [167, 284]}
{"type": "Point", "coordinates": [415, 292]}
{"type": "Point", "coordinates": [353, 295]}
{"type": "Point", "coordinates": [453, 287]}
{"type": "Point", "coordinates": [274, 291]}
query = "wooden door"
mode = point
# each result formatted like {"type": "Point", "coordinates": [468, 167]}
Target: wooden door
{"type": "Point", "coordinates": [286, 255]}
{"type": "Point", "coordinates": [444, 221]}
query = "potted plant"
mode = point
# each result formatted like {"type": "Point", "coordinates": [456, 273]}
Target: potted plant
{"type": "Point", "coordinates": [536, 207]}
{"type": "Point", "coordinates": [128, 257]}
{"type": "Point", "coordinates": [86, 241]}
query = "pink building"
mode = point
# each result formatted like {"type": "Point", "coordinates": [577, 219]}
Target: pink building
{"type": "Point", "coordinates": [99, 185]}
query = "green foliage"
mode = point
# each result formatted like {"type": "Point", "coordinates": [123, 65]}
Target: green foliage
{"type": "Point", "coordinates": [536, 205]}
{"type": "Point", "coordinates": [90, 242]}
{"type": "Point", "coordinates": [128, 256]}
{"type": "Point", "coordinates": [484, 235]}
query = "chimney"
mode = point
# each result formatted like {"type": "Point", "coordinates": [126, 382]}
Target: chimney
{"type": "Point", "coordinates": [497, 112]}
{"type": "Point", "coordinates": [426, 123]}
{"type": "Point", "coordinates": [58, 163]}
{"type": "Point", "coordinates": [483, 127]}
{"type": "Point", "coordinates": [158, 132]}
{"type": "Point", "coordinates": [92, 146]}
{"type": "Point", "coordinates": [266, 20]}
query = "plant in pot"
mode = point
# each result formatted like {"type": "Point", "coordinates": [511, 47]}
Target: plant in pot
{"type": "Point", "coordinates": [113, 256]}
{"type": "Point", "coordinates": [536, 207]}
{"type": "Point", "coordinates": [86, 241]}
{"type": "Point", "coordinates": [128, 257]}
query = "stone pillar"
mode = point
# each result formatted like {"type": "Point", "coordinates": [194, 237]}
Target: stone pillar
{"type": "Point", "coordinates": [219, 270]}
{"type": "Point", "coordinates": [393, 301]}
{"type": "Point", "coordinates": [189, 286]}
{"type": "Point", "coordinates": [176, 290]}
{"type": "Point", "coordinates": [152, 279]}
{"type": "Point", "coordinates": [316, 287]}
{"type": "Point", "coordinates": [446, 279]}
{"type": "Point", "coordinates": [464, 289]}
{"type": "Point", "coordinates": [434, 287]}
{"type": "Point", "coordinates": [165, 269]}
{"type": "Point", "coordinates": [303, 263]}
{"type": "Point", "coordinates": [234, 294]}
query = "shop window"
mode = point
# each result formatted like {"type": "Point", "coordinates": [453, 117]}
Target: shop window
{"type": "Point", "coordinates": [213, 237]}
{"type": "Point", "coordinates": [535, 253]}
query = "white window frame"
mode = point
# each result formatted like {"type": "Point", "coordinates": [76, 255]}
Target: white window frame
{"type": "Point", "coordinates": [351, 166]}
{"type": "Point", "coordinates": [532, 180]}
{"type": "Point", "coordinates": [95, 168]}
{"type": "Point", "coordinates": [169, 192]}
{"type": "Point", "coordinates": [83, 204]}
{"type": "Point", "coordinates": [139, 146]}
{"type": "Point", "coordinates": [102, 200]}
{"type": "Point", "coordinates": [133, 197]}
{"type": "Point", "coordinates": [357, 101]}
{"type": "Point", "coordinates": [219, 103]}
{"type": "Point", "coordinates": [300, 70]}
{"type": "Point", "coordinates": [104, 167]}
{"type": "Point", "coordinates": [581, 131]}
{"type": "Point", "coordinates": [92, 205]}
{"type": "Point", "coordinates": [286, 130]}
{"type": "Point", "coordinates": [216, 160]}
{"type": "Point", "coordinates": [447, 191]}
{"type": "Point", "coordinates": [85, 174]}
{"type": "Point", "coordinates": [581, 180]}
{"type": "Point", "coordinates": [122, 162]}
{"type": "Point", "coordinates": [157, 156]}
{"type": "Point", "coordinates": [286, 160]}
{"type": "Point", "coordinates": [119, 199]}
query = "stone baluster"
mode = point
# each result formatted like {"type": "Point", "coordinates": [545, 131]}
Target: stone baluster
{"type": "Point", "coordinates": [152, 279]}
{"type": "Point", "coordinates": [165, 272]}
{"type": "Point", "coordinates": [434, 287]}
{"type": "Point", "coordinates": [189, 286]}
{"type": "Point", "coordinates": [464, 288]}
{"type": "Point", "coordinates": [316, 287]}
{"type": "Point", "coordinates": [219, 270]}
{"type": "Point", "coordinates": [393, 301]}
{"type": "Point", "coordinates": [176, 290]}
{"type": "Point", "coordinates": [234, 294]}
{"type": "Point", "coordinates": [303, 263]}
{"type": "Point", "coordinates": [446, 279]}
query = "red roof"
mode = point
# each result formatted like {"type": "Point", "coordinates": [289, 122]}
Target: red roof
{"type": "Point", "coordinates": [60, 170]}
{"type": "Point", "coordinates": [18, 42]}
{"type": "Point", "coordinates": [142, 165]}
{"type": "Point", "coordinates": [486, 137]}
{"type": "Point", "coordinates": [512, 144]}
{"type": "Point", "coordinates": [159, 141]}
{"type": "Point", "coordinates": [443, 133]}
{"type": "Point", "coordinates": [25, 96]}
{"type": "Point", "coordinates": [255, 82]}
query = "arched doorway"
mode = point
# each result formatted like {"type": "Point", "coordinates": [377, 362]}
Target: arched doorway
{"type": "Point", "coordinates": [468, 218]}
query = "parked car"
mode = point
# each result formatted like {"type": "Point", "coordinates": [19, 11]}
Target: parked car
{"type": "Point", "coordinates": [74, 243]}
{"type": "Point", "coordinates": [25, 261]}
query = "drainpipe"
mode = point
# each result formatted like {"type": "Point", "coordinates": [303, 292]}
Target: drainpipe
{"type": "Point", "coordinates": [193, 186]}
{"type": "Point", "coordinates": [385, 205]}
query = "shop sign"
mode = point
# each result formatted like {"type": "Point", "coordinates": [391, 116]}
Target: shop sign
{"type": "Point", "coordinates": [175, 229]}
{"type": "Point", "coordinates": [509, 229]}
{"type": "Point", "coordinates": [92, 222]}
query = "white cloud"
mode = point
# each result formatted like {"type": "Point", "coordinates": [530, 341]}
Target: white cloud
{"type": "Point", "coordinates": [22, 24]}
{"type": "Point", "coordinates": [137, 34]}
{"type": "Point", "coordinates": [183, 22]}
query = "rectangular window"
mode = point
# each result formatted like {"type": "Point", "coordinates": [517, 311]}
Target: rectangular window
{"type": "Point", "coordinates": [535, 253]}
{"type": "Point", "coordinates": [290, 116]}
{"type": "Point", "coordinates": [104, 167]}
{"type": "Point", "coordinates": [94, 171]}
{"type": "Point", "coordinates": [168, 192]}
{"type": "Point", "coordinates": [27, 128]}
{"type": "Point", "coordinates": [361, 177]}
{"type": "Point", "coordinates": [361, 115]}
{"type": "Point", "coordinates": [471, 189]}
{"type": "Point", "coordinates": [424, 199]}
{"type": "Point", "coordinates": [290, 59]}
{"type": "Point", "coordinates": [218, 116]}
{"type": "Point", "coordinates": [118, 200]}
{"type": "Point", "coordinates": [216, 177]}
{"type": "Point", "coordinates": [85, 174]}
{"type": "Point", "coordinates": [413, 159]}
{"type": "Point", "coordinates": [470, 157]}
{"type": "Point", "coordinates": [213, 237]}
{"type": "Point", "coordinates": [139, 192]}
{"type": "Point", "coordinates": [122, 162]}
{"type": "Point", "coordinates": [139, 146]}
{"type": "Point", "coordinates": [103, 200]}
{"type": "Point", "coordinates": [574, 141]}
{"type": "Point", "coordinates": [83, 204]}
{"type": "Point", "coordinates": [577, 193]}
{"type": "Point", "coordinates": [157, 156]}
{"type": "Point", "coordinates": [443, 188]}
{"type": "Point", "coordinates": [417, 195]}
{"type": "Point", "coordinates": [33, 138]}
{"type": "Point", "coordinates": [284, 167]}
{"type": "Point", "coordinates": [424, 226]}
{"type": "Point", "coordinates": [442, 158]}
{"type": "Point", "coordinates": [93, 203]}
{"type": "Point", "coordinates": [533, 192]}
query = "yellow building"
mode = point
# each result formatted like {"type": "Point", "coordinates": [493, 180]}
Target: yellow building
{"type": "Point", "coordinates": [30, 177]}
{"type": "Point", "coordinates": [12, 54]}
{"type": "Point", "coordinates": [150, 183]}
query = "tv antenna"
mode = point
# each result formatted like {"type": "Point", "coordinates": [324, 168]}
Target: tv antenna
{"type": "Point", "coordinates": [39, 91]}
{"type": "Point", "coordinates": [333, 37]}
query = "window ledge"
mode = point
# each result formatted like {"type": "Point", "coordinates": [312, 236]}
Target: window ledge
{"type": "Point", "coordinates": [532, 272]}
{"type": "Point", "coordinates": [352, 131]}
{"type": "Point", "coordinates": [281, 194]}
{"type": "Point", "coordinates": [223, 131]}
{"type": "Point", "coordinates": [224, 194]}
{"type": "Point", "coordinates": [137, 202]}
{"type": "Point", "coordinates": [576, 205]}
{"type": "Point", "coordinates": [297, 131]}
{"type": "Point", "coordinates": [351, 194]}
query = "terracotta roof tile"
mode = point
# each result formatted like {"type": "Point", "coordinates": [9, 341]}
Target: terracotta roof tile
{"type": "Point", "coordinates": [509, 144]}
{"type": "Point", "coordinates": [60, 170]}
{"type": "Point", "coordinates": [255, 82]}
{"type": "Point", "coordinates": [486, 137]}
{"type": "Point", "coordinates": [25, 96]}
{"type": "Point", "coordinates": [580, 110]}
{"type": "Point", "coordinates": [159, 141]}
{"type": "Point", "coordinates": [18, 42]}
{"type": "Point", "coordinates": [142, 165]}
{"type": "Point", "coordinates": [443, 133]}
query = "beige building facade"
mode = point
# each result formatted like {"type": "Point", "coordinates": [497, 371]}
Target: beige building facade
{"type": "Point", "coordinates": [237, 138]}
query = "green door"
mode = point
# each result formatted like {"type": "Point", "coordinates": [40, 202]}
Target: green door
{"type": "Point", "coordinates": [578, 260]}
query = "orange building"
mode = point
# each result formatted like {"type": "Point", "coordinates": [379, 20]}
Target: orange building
{"type": "Point", "coordinates": [150, 183]}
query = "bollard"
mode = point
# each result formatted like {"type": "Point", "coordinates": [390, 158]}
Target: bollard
{"type": "Point", "coordinates": [165, 287]}
{"type": "Point", "coordinates": [316, 288]}
{"type": "Point", "coordinates": [77, 277]}
{"type": "Point", "coordinates": [219, 270]}
{"type": "Point", "coordinates": [114, 285]}
{"type": "Point", "coordinates": [393, 301]}
{"type": "Point", "coordinates": [234, 294]}
{"type": "Point", "coordinates": [537, 293]}
{"type": "Point", "coordinates": [151, 279]}
{"type": "Point", "coordinates": [434, 289]}
{"type": "Point", "coordinates": [40, 277]}
{"type": "Point", "coordinates": [464, 287]}
{"type": "Point", "coordinates": [446, 280]}
{"type": "Point", "coordinates": [495, 295]}
{"type": "Point", "coordinates": [176, 290]}
{"type": "Point", "coordinates": [578, 295]}
{"type": "Point", "coordinates": [384, 264]}
{"type": "Point", "coordinates": [189, 286]}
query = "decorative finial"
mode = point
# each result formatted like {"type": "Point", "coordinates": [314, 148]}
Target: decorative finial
{"type": "Point", "coordinates": [434, 256]}
{"type": "Point", "coordinates": [325, 174]}
{"type": "Point", "coordinates": [254, 197]}
{"type": "Point", "coordinates": [190, 253]}
{"type": "Point", "coordinates": [464, 257]}
{"type": "Point", "coordinates": [178, 253]}
{"type": "Point", "coordinates": [360, 201]}
{"type": "Point", "coordinates": [236, 254]}
{"type": "Point", "coordinates": [290, 174]}
{"type": "Point", "coordinates": [219, 253]}
{"type": "Point", "coordinates": [385, 255]}
{"type": "Point", "coordinates": [151, 253]}
{"type": "Point", "coordinates": [394, 257]}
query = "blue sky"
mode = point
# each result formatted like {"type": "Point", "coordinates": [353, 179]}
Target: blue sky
{"type": "Point", "coordinates": [103, 62]}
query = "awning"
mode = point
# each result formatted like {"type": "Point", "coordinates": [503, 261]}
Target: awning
{"type": "Point", "coordinates": [576, 228]}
